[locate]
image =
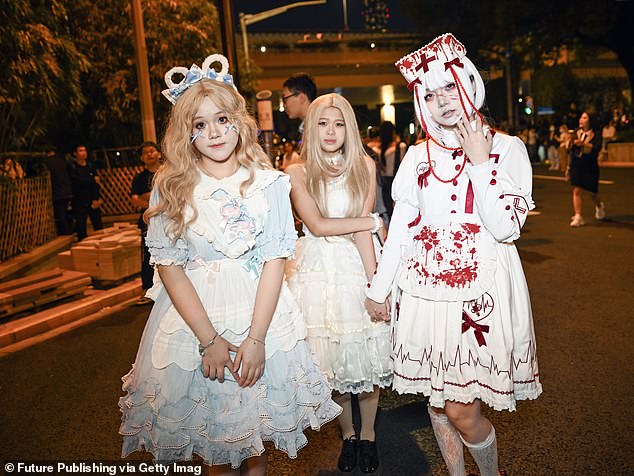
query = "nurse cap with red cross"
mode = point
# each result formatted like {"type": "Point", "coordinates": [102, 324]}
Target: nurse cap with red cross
{"type": "Point", "coordinates": [442, 53]}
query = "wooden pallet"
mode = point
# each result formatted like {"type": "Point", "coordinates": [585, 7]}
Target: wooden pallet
{"type": "Point", "coordinates": [37, 290]}
{"type": "Point", "coordinates": [109, 255]}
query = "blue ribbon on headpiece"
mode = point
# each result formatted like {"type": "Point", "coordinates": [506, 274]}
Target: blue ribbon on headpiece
{"type": "Point", "coordinates": [194, 75]}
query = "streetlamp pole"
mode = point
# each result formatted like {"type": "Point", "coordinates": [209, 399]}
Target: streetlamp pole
{"type": "Point", "coordinates": [143, 72]}
{"type": "Point", "coordinates": [225, 10]}
{"type": "Point", "coordinates": [251, 18]}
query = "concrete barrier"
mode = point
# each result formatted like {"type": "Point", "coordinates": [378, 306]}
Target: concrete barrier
{"type": "Point", "coordinates": [620, 152]}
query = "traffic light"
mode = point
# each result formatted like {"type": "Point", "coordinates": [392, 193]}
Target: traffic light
{"type": "Point", "coordinates": [528, 105]}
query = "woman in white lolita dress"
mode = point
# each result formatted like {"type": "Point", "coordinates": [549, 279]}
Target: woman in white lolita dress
{"type": "Point", "coordinates": [462, 323]}
{"type": "Point", "coordinates": [331, 270]}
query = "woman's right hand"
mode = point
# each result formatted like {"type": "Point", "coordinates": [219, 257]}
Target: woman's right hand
{"type": "Point", "coordinates": [378, 311]}
{"type": "Point", "coordinates": [216, 358]}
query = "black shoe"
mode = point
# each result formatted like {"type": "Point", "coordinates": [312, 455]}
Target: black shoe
{"type": "Point", "coordinates": [348, 457]}
{"type": "Point", "coordinates": [368, 456]}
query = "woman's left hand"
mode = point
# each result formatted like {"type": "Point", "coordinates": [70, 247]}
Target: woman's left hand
{"type": "Point", "coordinates": [250, 357]}
{"type": "Point", "coordinates": [475, 143]}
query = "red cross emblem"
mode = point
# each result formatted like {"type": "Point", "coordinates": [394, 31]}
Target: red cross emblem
{"type": "Point", "coordinates": [424, 61]}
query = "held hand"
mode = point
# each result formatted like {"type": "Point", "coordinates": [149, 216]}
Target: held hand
{"type": "Point", "coordinates": [251, 357]}
{"type": "Point", "coordinates": [377, 311]}
{"type": "Point", "coordinates": [95, 204]}
{"type": "Point", "coordinates": [388, 309]}
{"type": "Point", "coordinates": [216, 358]}
{"type": "Point", "coordinates": [475, 143]}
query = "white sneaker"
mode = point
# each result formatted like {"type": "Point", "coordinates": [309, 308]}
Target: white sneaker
{"type": "Point", "coordinates": [599, 212]}
{"type": "Point", "coordinates": [577, 221]}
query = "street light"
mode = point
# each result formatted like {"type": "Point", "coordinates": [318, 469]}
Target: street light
{"type": "Point", "coordinates": [251, 18]}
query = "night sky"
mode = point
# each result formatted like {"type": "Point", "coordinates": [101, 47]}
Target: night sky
{"type": "Point", "coordinates": [328, 17]}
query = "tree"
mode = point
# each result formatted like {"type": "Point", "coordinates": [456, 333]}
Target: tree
{"type": "Point", "coordinates": [531, 30]}
{"type": "Point", "coordinates": [177, 34]}
{"type": "Point", "coordinates": [41, 66]}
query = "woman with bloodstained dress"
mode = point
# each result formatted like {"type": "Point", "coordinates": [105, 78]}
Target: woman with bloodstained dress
{"type": "Point", "coordinates": [462, 322]}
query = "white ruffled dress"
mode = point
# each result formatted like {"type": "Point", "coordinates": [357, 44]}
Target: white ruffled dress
{"type": "Point", "coordinates": [327, 278]}
{"type": "Point", "coordinates": [462, 320]}
{"type": "Point", "coordinates": [170, 409]}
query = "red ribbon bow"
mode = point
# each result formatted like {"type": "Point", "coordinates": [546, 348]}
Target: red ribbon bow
{"type": "Point", "coordinates": [478, 329]}
{"type": "Point", "coordinates": [453, 62]}
{"type": "Point", "coordinates": [411, 85]}
{"type": "Point", "coordinates": [422, 179]}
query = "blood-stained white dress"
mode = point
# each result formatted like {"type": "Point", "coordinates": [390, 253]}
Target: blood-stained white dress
{"type": "Point", "coordinates": [462, 326]}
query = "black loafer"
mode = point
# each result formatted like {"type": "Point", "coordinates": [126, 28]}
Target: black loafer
{"type": "Point", "coordinates": [368, 456]}
{"type": "Point", "coordinates": [348, 457]}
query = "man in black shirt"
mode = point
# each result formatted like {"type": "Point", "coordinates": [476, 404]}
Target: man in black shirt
{"type": "Point", "coordinates": [86, 192]}
{"type": "Point", "coordinates": [62, 192]}
{"type": "Point", "coordinates": [150, 155]}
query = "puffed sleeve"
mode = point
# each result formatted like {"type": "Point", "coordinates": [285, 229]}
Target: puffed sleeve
{"type": "Point", "coordinates": [404, 185]}
{"type": "Point", "coordinates": [502, 189]}
{"type": "Point", "coordinates": [278, 237]}
{"type": "Point", "coordinates": [163, 250]}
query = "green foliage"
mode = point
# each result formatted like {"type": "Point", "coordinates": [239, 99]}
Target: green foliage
{"type": "Point", "coordinates": [71, 73]}
{"type": "Point", "coordinates": [555, 87]}
{"type": "Point", "coordinates": [530, 31]}
{"type": "Point", "coordinates": [42, 67]}
{"type": "Point", "coordinates": [177, 34]}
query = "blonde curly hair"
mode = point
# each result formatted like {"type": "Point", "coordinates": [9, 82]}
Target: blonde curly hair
{"type": "Point", "coordinates": [179, 174]}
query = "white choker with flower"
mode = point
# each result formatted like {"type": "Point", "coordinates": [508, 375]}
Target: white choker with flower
{"type": "Point", "coordinates": [335, 160]}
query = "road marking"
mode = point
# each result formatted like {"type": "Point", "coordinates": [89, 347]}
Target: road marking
{"type": "Point", "coordinates": [563, 179]}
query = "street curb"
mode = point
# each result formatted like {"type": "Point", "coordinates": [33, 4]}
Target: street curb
{"type": "Point", "coordinates": [21, 333]}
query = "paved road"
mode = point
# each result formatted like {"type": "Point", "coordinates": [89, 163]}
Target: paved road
{"type": "Point", "coordinates": [58, 399]}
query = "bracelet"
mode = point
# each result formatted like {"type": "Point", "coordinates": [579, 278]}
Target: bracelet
{"type": "Point", "coordinates": [202, 348]}
{"type": "Point", "coordinates": [257, 340]}
{"type": "Point", "coordinates": [378, 223]}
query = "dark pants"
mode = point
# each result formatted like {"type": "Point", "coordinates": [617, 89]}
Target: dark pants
{"type": "Point", "coordinates": [147, 271]}
{"type": "Point", "coordinates": [63, 217]}
{"type": "Point", "coordinates": [81, 213]}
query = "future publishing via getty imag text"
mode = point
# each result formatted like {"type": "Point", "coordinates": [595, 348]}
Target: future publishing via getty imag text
{"type": "Point", "coordinates": [110, 468]}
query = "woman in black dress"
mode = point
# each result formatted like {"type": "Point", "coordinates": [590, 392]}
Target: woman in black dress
{"type": "Point", "coordinates": [583, 170]}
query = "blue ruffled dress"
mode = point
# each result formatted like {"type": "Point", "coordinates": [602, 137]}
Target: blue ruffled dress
{"type": "Point", "coordinates": [170, 409]}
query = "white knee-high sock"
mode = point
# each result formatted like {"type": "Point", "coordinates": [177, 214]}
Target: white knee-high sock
{"type": "Point", "coordinates": [485, 454]}
{"type": "Point", "coordinates": [449, 442]}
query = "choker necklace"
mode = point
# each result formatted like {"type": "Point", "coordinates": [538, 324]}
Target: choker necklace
{"type": "Point", "coordinates": [431, 167]}
{"type": "Point", "coordinates": [335, 160]}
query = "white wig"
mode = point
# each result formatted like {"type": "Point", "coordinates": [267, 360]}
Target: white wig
{"type": "Point", "coordinates": [469, 78]}
{"type": "Point", "coordinates": [438, 63]}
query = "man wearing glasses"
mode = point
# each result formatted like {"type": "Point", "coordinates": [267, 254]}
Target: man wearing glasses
{"type": "Point", "coordinates": [298, 92]}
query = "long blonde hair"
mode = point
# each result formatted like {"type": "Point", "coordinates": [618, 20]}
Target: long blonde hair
{"type": "Point", "coordinates": [179, 174]}
{"type": "Point", "coordinates": [357, 176]}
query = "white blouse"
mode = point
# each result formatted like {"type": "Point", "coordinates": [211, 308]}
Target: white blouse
{"type": "Point", "coordinates": [495, 194]}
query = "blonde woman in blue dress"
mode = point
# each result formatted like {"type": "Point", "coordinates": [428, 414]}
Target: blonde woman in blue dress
{"type": "Point", "coordinates": [333, 192]}
{"type": "Point", "coordinates": [222, 365]}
